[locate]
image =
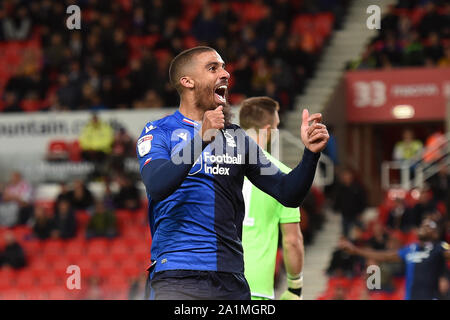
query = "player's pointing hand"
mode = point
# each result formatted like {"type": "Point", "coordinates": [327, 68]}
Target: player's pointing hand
{"type": "Point", "coordinates": [315, 135]}
{"type": "Point", "coordinates": [213, 120]}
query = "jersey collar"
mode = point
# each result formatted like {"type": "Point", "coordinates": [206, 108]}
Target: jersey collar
{"type": "Point", "coordinates": [186, 121]}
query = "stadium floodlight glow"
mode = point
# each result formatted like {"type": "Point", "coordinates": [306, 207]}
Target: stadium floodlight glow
{"type": "Point", "coordinates": [403, 111]}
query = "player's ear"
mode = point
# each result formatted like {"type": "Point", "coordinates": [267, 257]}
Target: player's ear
{"type": "Point", "coordinates": [187, 82]}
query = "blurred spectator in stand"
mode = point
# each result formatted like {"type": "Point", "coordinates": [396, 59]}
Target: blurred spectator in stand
{"type": "Point", "coordinates": [379, 238]}
{"type": "Point", "coordinates": [206, 28]}
{"type": "Point", "coordinates": [151, 100]}
{"type": "Point", "coordinates": [340, 293]}
{"type": "Point", "coordinates": [414, 50]}
{"type": "Point", "coordinates": [13, 255]}
{"type": "Point", "coordinates": [68, 92]}
{"type": "Point", "coordinates": [11, 103]}
{"type": "Point", "coordinates": [401, 217]}
{"type": "Point", "coordinates": [434, 49]}
{"type": "Point", "coordinates": [95, 141]}
{"type": "Point", "coordinates": [444, 286]}
{"type": "Point", "coordinates": [435, 145]}
{"type": "Point", "coordinates": [128, 196]}
{"type": "Point", "coordinates": [94, 290]}
{"type": "Point", "coordinates": [54, 53]}
{"type": "Point", "coordinates": [42, 224]}
{"type": "Point", "coordinates": [64, 222]}
{"type": "Point", "coordinates": [350, 200]}
{"type": "Point", "coordinates": [16, 203]}
{"type": "Point", "coordinates": [261, 77]}
{"type": "Point", "coordinates": [431, 21]}
{"type": "Point", "coordinates": [440, 184]}
{"type": "Point", "coordinates": [408, 149]}
{"type": "Point", "coordinates": [102, 223]}
{"type": "Point", "coordinates": [17, 27]}
{"type": "Point", "coordinates": [445, 60]}
{"type": "Point", "coordinates": [392, 50]}
{"type": "Point", "coordinates": [80, 197]}
{"type": "Point", "coordinates": [137, 288]}
{"type": "Point", "coordinates": [243, 75]}
{"type": "Point", "coordinates": [425, 205]}
{"type": "Point", "coordinates": [122, 148]}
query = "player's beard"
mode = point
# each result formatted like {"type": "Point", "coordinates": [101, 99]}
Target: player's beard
{"type": "Point", "coordinates": [204, 100]}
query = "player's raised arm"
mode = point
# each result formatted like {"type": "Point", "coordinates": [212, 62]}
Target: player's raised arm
{"type": "Point", "coordinates": [378, 255]}
{"type": "Point", "coordinates": [290, 189]}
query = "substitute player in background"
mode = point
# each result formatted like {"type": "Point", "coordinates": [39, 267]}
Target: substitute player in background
{"type": "Point", "coordinates": [424, 260]}
{"type": "Point", "coordinates": [263, 214]}
{"type": "Point", "coordinates": [193, 164]}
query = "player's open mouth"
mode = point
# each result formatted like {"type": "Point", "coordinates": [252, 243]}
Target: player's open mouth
{"type": "Point", "coordinates": [220, 93]}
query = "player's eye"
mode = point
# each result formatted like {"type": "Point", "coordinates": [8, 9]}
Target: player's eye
{"type": "Point", "coordinates": [212, 68]}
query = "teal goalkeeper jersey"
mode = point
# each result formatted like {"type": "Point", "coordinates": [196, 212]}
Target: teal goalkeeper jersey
{"type": "Point", "coordinates": [263, 214]}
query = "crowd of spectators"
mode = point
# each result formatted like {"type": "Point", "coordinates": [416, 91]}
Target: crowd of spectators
{"type": "Point", "coordinates": [119, 58]}
{"type": "Point", "coordinates": [396, 225]}
{"type": "Point", "coordinates": [413, 33]}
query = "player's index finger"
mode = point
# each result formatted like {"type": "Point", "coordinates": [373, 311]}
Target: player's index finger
{"type": "Point", "coordinates": [305, 116]}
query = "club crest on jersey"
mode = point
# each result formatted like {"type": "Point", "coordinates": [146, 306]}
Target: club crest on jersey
{"type": "Point", "coordinates": [144, 145]}
{"type": "Point", "coordinates": [229, 138]}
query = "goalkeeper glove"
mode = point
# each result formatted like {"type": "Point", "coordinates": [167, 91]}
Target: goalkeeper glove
{"type": "Point", "coordinates": [294, 291]}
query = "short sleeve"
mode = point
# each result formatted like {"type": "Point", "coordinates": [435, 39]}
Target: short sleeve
{"type": "Point", "coordinates": [152, 145]}
{"type": "Point", "coordinates": [289, 215]}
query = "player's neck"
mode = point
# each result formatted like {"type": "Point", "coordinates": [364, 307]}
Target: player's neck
{"type": "Point", "coordinates": [189, 110]}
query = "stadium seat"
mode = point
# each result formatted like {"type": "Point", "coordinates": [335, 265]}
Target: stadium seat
{"type": "Point", "coordinates": [57, 293]}
{"type": "Point", "coordinates": [82, 218]}
{"type": "Point", "coordinates": [5, 280]}
{"type": "Point", "coordinates": [119, 251]}
{"type": "Point", "coordinates": [22, 232]}
{"type": "Point", "coordinates": [58, 150]}
{"type": "Point", "coordinates": [25, 280]}
{"type": "Point", "coordinates": [47, 280]}
{"type": "Point", "coordinates": [75, 151]}
{"type": "Point", "coordinates": [38, 268]}
{"type": "Point", "coordinates": [30, 105]}
{"type": "Point", "coordinates": [60, 265]}
{"type": "Point", "coordinates": [302, 24]}
{"type": "Point", "coordinates": [52, 250]}
{"type": "Point", "coordinates": [132, 269]}
{"type": "Point", "coordinates": [107, 267]}
{"type": "Point", "coordinates": [75, 250]}
{"type": "Point", "coordinates": [323, 23]}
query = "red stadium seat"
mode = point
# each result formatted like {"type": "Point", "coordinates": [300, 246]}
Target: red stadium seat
{"type": "Point", "coordinates": [131, 268]}
{"type": "Point", "coordinates": [58, 150]}
{"type": "Point", "coordinates": [75, 151]}
{"type": "Point", "coordinates": [30, 105]}
{"type": "Point", "coordinates": [52, 250]}
{"type": "Point", "coordinates": [302, 24]}
{"type": "Point", "coordinates": [58, 293]}
{"type": "Point", "coordinates": [119, 251]}
{"type": "Point", "coordinates": [82, 221]}
{"type": "Point", "coordinates": [107, 266]}
{"type": "Point", "coordinates": [25, 280]}
{"type": "Point", "coordinates": [38, 268]}
{"type": "Point", "coordinates": [5, 280]}
{"type": "Point", "coordinates": [323, 23]}
{"type": "Point", "coordinates": [75, 251]}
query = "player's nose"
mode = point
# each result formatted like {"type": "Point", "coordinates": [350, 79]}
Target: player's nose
{"type": "Point", "coordinates": [224, 75]}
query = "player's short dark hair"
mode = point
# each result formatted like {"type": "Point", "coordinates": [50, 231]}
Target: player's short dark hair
{"type": "Point", "coordinates": [182, 59]}
{"type": "Point", "coordinates": [257, 112]}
